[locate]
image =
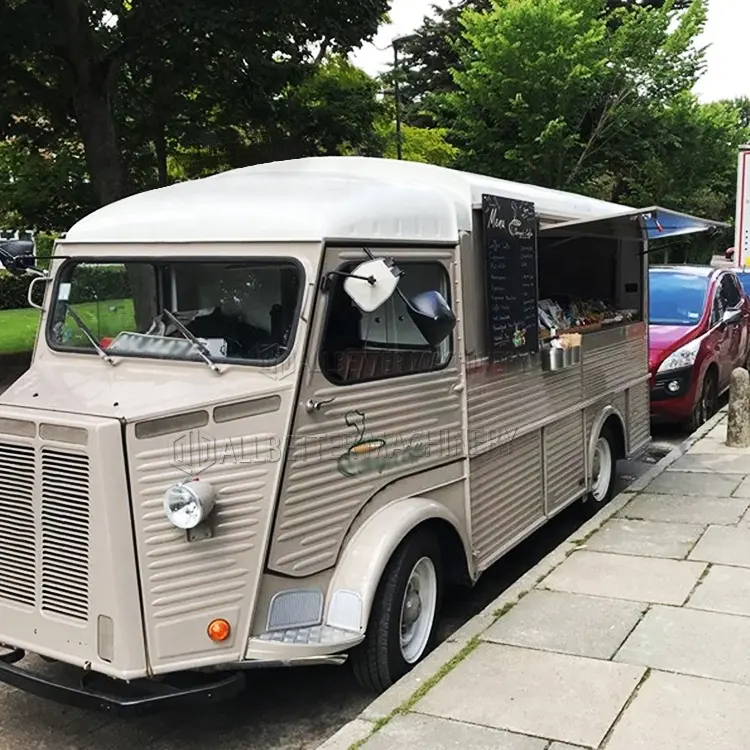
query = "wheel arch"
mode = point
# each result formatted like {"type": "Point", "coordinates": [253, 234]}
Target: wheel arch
{"type": "Point", "coordinates": [367, 553]}
{"type": "Point", "coordinates": [609, 417]}
{"type": "Point", "coordinates": [712, 368]}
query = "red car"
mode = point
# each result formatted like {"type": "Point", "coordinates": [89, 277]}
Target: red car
{"type": "Point", "coordinates": [699, 331]}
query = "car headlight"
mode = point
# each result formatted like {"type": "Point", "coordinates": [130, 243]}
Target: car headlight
{"type": "Point", "coordinates": [188, 505]}
{"type": "Point", "coordinates": [684, 357]}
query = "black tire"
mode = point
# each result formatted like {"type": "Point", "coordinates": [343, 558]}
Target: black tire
{"type": "Point", "coordinates": [707, 404]}
{"type": "Point", "coordinates": [592, 504]}
{"type": "Point", "coordinates": [378, 661]}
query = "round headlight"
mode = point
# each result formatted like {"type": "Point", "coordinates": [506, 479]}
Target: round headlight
{"type": "Point", "coordinates": [187, 505]}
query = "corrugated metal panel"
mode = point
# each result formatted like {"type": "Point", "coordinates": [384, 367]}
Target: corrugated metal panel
{"type": "Point", "coordinates": [565, 465]}
{"type": "Point", "coordinates": [318, 502]}
{"type": "Point", "coordinates": [66, 542]}
{"type": "Point", "coordinates": [65, 516]}
{"type": "Point", "coordinates": [608, 369]}
{"type": "Point", "coordinates": [507, 493]}
{"type": "Point", "coordinates": [182, 579]}
{"type": "Point", "coordinates": [18, 542]}
{"type": "Point", "coordinates": [639, 415]}
{"type": "Point", "coordinates": [504, 398]}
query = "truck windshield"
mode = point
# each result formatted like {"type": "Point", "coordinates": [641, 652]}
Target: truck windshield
{"type": "Point", "coordinates": [675, 298]}
{"type": "Point", "coordinates": [243, 311]}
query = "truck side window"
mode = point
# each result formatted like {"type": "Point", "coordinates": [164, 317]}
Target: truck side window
{"type": "Point", "coordinates": [361, 346]}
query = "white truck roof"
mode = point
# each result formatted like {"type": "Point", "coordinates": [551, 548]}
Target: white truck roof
{"type": "Point", "coordinates": [321, 198]}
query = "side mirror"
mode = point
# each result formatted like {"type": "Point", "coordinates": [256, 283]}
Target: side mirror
{"type": "Point", "coordinates": [731, 317]}
{"type": "Point", "coordinates": [432, 316]}
{"type": "Point", "coordinates": [372, 283]}
{"type": "Point", "coordinates": [17, 256]}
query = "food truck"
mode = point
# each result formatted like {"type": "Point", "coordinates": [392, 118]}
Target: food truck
{"type": "Point", "coordinates": [274, 413]}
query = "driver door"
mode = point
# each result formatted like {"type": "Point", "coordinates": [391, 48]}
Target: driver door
{"type": "Point", "coordinates": [376, 405]}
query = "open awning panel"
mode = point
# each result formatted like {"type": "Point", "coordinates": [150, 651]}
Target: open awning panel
{"type": "Point", "coordinates": [661, 222]}
{"type": "Point", "coordinates": [657, 222]}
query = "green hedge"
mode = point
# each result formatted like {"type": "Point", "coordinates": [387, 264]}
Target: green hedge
{"type": "Point", "coordinates": [91, 283]}
{"type": "Point", "coordinates": [13, 291]}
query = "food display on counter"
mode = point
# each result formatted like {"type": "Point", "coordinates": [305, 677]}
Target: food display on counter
{"type": "Point", "coordinates": [591, 315]}
{"type": "Point", "coordinates": [567, 341]}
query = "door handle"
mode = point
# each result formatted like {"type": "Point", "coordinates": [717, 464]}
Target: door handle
{"type": "Point", "coordinates": [313, 406]}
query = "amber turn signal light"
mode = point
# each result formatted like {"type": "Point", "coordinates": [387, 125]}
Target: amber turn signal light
{"type": "Point", "coordinates": [219, 630]}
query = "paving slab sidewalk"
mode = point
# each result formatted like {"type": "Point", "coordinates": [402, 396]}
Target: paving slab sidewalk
{"type": "Point", "coordinates": [633, 634]}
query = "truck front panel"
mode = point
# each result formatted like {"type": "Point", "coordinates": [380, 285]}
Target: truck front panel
{"type": "Point", "coordinates": [68, 580]}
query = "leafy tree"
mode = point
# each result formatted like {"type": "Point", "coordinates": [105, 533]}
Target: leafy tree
{"type": "Point", "coordinates": [547, 92]}
{"type": "Point", "coordinates": [426, 145]}
{"type": "Point", "coordinates": [79, 65]}
{"type": "Point", "coordinates": [691, 165]}
{"type": "Point", "coordinates": [742, 105]}
{"type": "Point", "coordinates": [333, 111]}
{"type": "Point", "coordinates": [43, 188]}
{"type": "Point", "coordinates": [427, 57]}
{"type": "Point", "coordinates": [657, 4]}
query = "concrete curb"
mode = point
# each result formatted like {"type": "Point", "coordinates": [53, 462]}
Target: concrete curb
{"type": "Point", "coordinates": [461, 642]}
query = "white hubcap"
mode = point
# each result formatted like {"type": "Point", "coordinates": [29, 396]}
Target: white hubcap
{"type": "Point", "coordinates": [418, 610]}
{"type": "Point", "coordinates": [602, 469]}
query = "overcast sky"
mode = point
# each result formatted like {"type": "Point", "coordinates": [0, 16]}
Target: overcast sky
{"type": "Point", "coordinates": [727, 31]}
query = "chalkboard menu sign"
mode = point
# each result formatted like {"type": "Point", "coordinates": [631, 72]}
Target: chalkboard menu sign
{"type": "Point", "coordinates": [510, 254]}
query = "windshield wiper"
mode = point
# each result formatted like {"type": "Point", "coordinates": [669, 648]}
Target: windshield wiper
{"type": "Point", "coordinates": [90, 336]}
{"type": "Point", "coordinates": [201, 349]}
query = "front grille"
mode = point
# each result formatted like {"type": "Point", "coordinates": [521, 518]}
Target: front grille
{"type": "Point", "coordinates": [45, 529]}
{"type": "Point", "coordinates": [65, 533]}
{"type": "Point", "coordinates": [17, 531]}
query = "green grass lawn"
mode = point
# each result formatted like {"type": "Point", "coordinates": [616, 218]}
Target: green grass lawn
{"type": "Point", "coordinates": [18, 330]}
{"type": "Point", "coordinates": [18, 327]}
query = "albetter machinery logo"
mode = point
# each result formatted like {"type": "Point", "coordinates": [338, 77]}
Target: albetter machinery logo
{"type": "Point", "coordinates": [196, 451]}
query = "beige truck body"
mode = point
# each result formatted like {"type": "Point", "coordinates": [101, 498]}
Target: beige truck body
{"type": "Point", "coordinates": [92, 572]}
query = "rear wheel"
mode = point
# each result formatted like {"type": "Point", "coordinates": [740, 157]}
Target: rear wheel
{"type": "Point", "coordinates": [603, 469]}
{"type": "Point", "coordinates": [404, 616]}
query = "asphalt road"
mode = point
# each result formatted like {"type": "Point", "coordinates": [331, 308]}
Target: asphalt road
{"type": "Point", "coordinates": [287, 709]}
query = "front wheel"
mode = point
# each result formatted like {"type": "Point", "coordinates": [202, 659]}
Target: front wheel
{"type": "Point", "coordinates": [603, 469]}
{"type": "Point", "coordinates": [404, 617]}
{"type": "Point", "coordinates": [707, 403]}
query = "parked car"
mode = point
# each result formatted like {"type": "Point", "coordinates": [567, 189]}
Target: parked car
{"type": "Point", "coordinates": [699, 331]}
{"type": "Point", "coordinates": [744, 279]}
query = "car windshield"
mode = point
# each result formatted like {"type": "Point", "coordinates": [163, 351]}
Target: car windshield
{"type": "Point", "coordinates": [675, 298]}
{"type": "Point", "coordinates": [243, 312]}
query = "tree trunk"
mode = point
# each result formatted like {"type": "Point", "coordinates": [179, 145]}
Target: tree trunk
{"type": "Point", "coordinates": [160, 129]}
{"type": "Point", "coordinates": [160, 148]}
{"type": "Point", "coordinates": [94, 74]}
{"type": "Point", "coordinates": [96, 123]}
{"type": "Point", "coordinates": [98, 130]}
{"type": "Point", "coordinates": [618, 188]}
